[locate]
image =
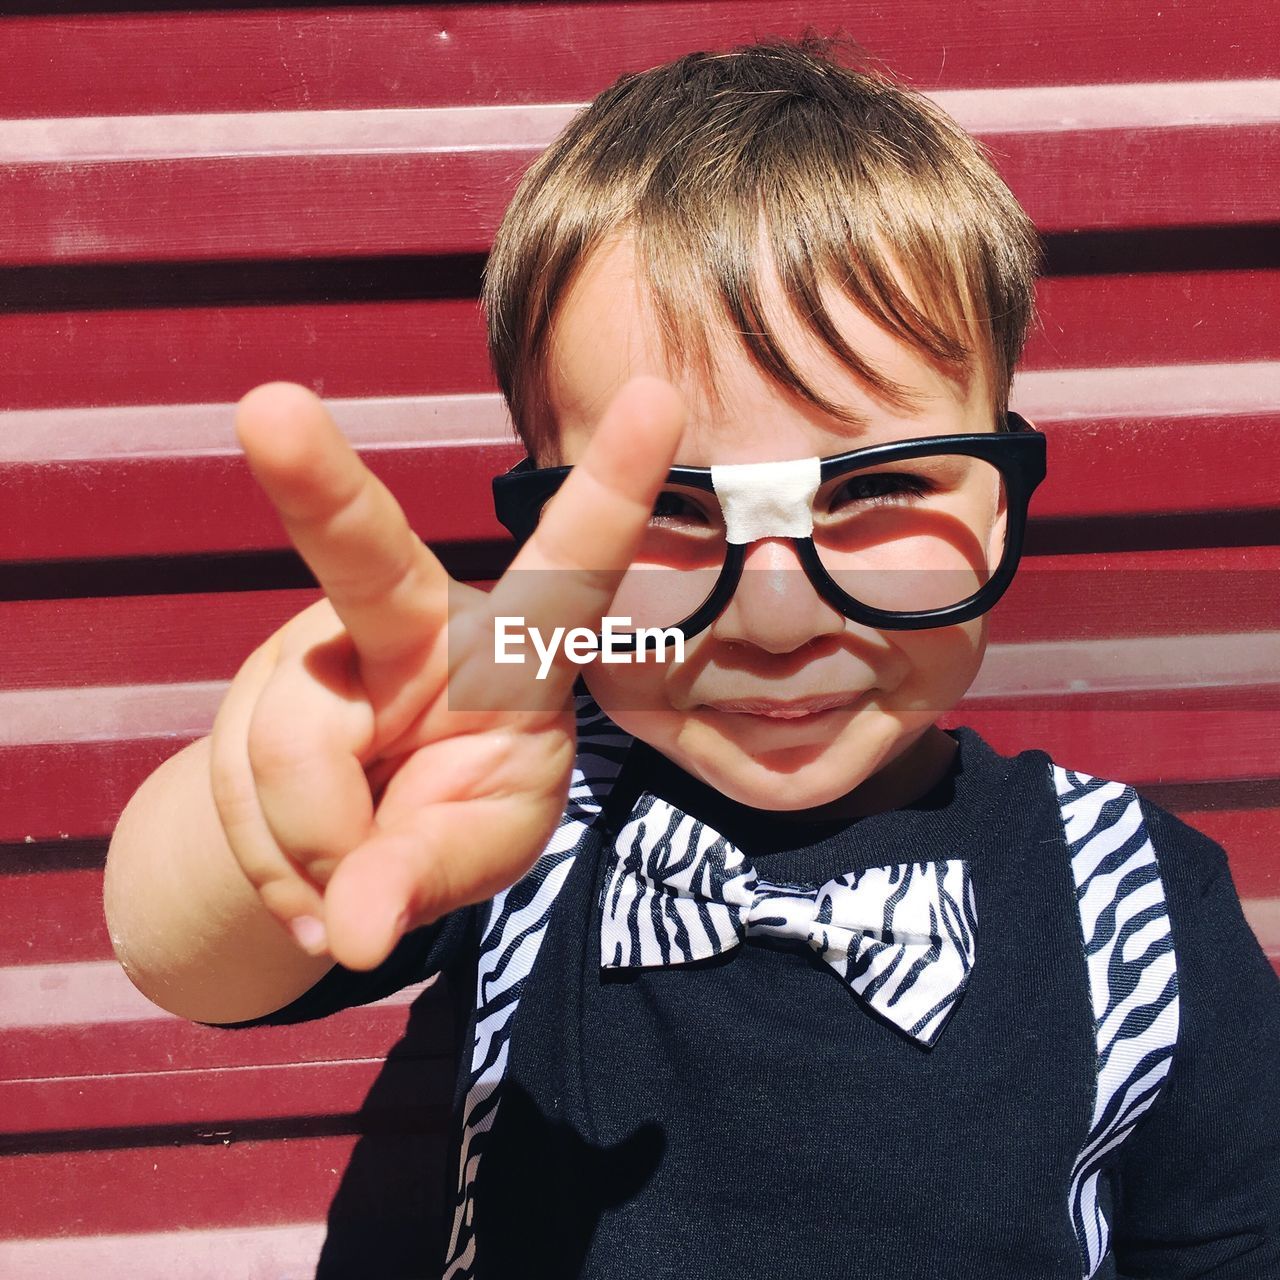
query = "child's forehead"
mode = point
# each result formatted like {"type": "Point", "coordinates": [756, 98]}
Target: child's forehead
{"type": "Point", "coordinates": [736, 412]}
{"type": "Point", "coordinates": [775, 427]}
{"type": "Point", "coordinates": [607, 332]}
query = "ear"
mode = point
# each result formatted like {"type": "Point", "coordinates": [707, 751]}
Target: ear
{"type": "Point", "coordinates": [999, 532]}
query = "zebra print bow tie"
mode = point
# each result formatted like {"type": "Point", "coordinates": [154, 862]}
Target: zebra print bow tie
{"type": "Point", "coordinates": [901, 936]}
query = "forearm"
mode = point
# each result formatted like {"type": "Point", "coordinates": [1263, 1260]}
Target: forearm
{"type": "Point", "coordinates": [186, 923]}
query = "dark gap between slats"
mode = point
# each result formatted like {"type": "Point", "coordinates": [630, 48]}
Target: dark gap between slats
{"type": "Point", "coordinates": [427, 1120]}
{"type": "Point", "coordinates": [52, 855]}
{"type": "Point", "coordinates": [139, 285]}
{"type": "Point", "coordinates": [180, 575]}
{"type": "Point", "coordinates": [1192, 797]}
{"type": "Point", "coordinates": [135, 285]}
{"type": "Point", "coordinates": [1152, 533]}
{"type": "Point", "coordinates": [1182, 249]}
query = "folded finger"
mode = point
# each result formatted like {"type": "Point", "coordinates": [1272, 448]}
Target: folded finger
{"type": "Point", "coordinates": [308, 734]}
{"type": "Point", "coordinates": [284, 890]}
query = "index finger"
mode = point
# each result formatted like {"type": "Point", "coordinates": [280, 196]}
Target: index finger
{"type": "Point", "coordinates": [386, 586]}
{"type": "Point", "coordinates": [591, 529]}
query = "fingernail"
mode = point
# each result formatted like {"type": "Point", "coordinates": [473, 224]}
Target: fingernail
{"type": "Point", "coordinates": [310, 934]}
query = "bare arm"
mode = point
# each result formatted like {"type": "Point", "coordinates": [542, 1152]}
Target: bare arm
{"type": "Point", "coordinates": [187, 925]}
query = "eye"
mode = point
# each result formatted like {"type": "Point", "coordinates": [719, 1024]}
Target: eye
{"type": "Point", "coordinates": [672, 509]}
{"type": "Point", "coordinates": [879, 488]}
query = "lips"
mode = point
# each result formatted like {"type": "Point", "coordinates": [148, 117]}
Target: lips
{"type": "Point", "coordinates": [784, 709]}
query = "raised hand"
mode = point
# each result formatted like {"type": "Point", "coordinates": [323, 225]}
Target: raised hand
{"type": "Point", "coordinates": [355, 799]}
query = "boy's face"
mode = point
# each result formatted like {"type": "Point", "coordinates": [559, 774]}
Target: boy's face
{"type": "Point", "coordinates": [777, 639]}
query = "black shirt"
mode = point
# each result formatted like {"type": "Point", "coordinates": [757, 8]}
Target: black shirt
{"type": "Point", "coordinates": [747, 1115]}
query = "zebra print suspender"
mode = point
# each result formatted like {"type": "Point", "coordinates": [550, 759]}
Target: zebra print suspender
{"type": "Point", "coordinates": [1125, 934]}
{"type": "Point", "coordinates": [1133, 978]}
{"type": "Point", "coordinates": [511, 936]}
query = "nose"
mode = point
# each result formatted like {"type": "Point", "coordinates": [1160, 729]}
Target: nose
{"type": "Point", "coordinates": [775, 607]}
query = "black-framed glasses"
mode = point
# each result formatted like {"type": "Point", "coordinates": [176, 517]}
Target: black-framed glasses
{"type": "Point", "coordinates": [902, 536]}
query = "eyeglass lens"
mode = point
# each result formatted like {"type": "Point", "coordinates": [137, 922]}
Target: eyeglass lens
{"type": "Point", "coordinates": [907, 536]}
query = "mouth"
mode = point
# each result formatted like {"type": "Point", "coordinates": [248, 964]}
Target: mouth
{"type": "Point", "coordinates": [785, 709]}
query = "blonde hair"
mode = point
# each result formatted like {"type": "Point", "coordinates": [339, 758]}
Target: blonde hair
{"type": "Point", "coordinates": [716, 161]}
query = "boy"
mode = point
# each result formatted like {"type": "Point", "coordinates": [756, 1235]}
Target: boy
{"type": "Point", "coordinates": [794, 982]}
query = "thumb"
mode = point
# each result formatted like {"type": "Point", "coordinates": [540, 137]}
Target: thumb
{"type": "Point", "coordinates": [369, 902]}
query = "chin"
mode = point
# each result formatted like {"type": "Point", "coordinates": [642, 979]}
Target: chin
{"type": "Point", "coordinates": [780, 767]}
{"type": "Point", "coordinates": [789, 791]}
{"type": "Point", "coordinates": [786, 780]}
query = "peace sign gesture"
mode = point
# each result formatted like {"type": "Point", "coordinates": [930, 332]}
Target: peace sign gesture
{"type": "Point", "coordinates": [350, 792]}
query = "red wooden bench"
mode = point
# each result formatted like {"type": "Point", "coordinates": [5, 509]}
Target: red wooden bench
{"type": "Point", "coordinates": [193, 202]}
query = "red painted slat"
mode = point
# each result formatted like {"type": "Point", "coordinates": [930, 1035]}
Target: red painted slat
{"type": "Point", "coordinates": [86, 1044]}
{"type": "Point", "coordinates": [436, 54]}
{"type": "Point", "coordinates": [1120, 179]}
{"type": "Point", "coordinates": [1153, 318]}
{"type": "Point", "coordinates": [372, 204]}
{"type": "Point", "coordinates": [128, 640]}
{"type": "Point", "coordinates": [173, 505]}
{"type": "Point", "coordinates": [1193, 703]}
{"type": "Point", "coordinates": [71, 792]}
{"type": "Point", "coordinates": [193, 354]}
{"type": "Point", "coordinates": [290, 1249]}
{"type": "Point", "coordinates": [338, 206]}
{"type": "Point", "coordinates": [1251, 838]}
{"type": "Point", "coordinates": [1145, 465]}
{"type": "Point", "coordinates": [52, 914]}
{"type": "Point", "coordinates": [158, 355]}
{"type": "Point", "coordinates": [77, 790]}
{"type": "Point", "coordinates": [56, 918]}
{"type": "Point", "coordinates": [227, 1100]}
{"type": "Point", "coordinates": [262, 1181]}
{"type": "Point", "coordinates": [230, 1100]}
{"type": "Point", "coordinates": [1204, 591]}
{"type": "Point", "coordinates": [1140, 747]}
{"type": "Point", "coordinates": [139, 639]}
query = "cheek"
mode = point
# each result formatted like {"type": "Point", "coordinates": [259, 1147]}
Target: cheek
{"type": "Point", "coordinates": [621, 687]}
{"type": "Point", "coordinates": [643, 699]}
{"type": "Point", "coordinates": [650, 686]}
{"type": "Point", "coordinates": [940, 664]}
